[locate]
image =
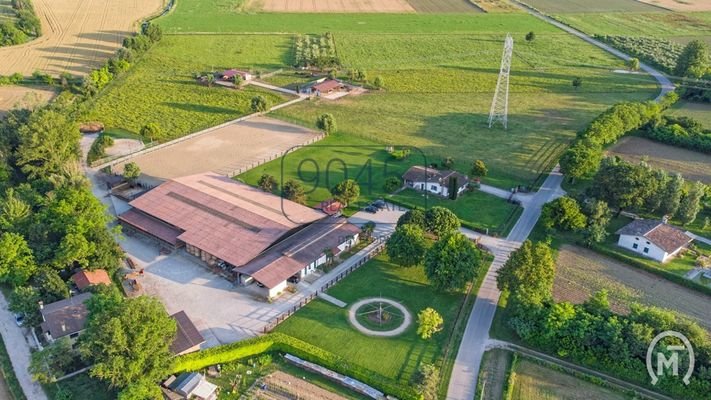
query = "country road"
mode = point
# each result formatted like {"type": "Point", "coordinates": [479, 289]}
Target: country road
{"type": "Point", "coordinates": [463, 382]}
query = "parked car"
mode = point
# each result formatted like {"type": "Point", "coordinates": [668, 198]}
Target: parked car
{"type": "Point", "coordinates": [19, 318]}
{"type": "Point", "coordinates": [379, 204]}
{"type": "Point", "coordinates": [260, 284]}
{"type": "Point", "coordinates": [371, 209]}
{"type": "Point", "coordinates": [294, 279]}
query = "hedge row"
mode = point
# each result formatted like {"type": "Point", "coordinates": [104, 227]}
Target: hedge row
{"type": "Point", "coordinates": [584, 156]}
{"type": "Point", "coordinates": [278, 342]}
{"type": "Point", "coordinates": [657, 271]}
{"type": "Point", "coordinates": [98, 148]}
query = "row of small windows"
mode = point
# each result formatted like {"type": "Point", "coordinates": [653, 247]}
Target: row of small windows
{"type": "Point", "coordinates": [636, 246]}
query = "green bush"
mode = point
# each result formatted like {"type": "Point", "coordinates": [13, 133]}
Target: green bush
{"type": "Point", "coordinates": [98, 148]}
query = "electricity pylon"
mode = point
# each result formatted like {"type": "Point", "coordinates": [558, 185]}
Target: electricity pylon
{"type": "Point", "coordinates": [500, 106]}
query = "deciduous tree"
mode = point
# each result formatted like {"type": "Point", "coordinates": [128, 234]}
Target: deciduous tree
{"type": "Point", "coordinates": [415, 217]}
{"type": "Point", "coordinates": [479, 169]}
{"type": "Point", "coordinates": [452, 262]}
{"type": "Point", "coordinates": [16, 261]}
{"type": "Point", "coordinates": [327, 123]}
{"type": "Point", "coordinates": [441, 221]}
{"type": "Point", "coordinates": [346, 191]}
{"type": "Point", "coordinates": [563, 213]}
{"type": "Point", "coordinates": [693, 60]}
{"type": "Point", "coordinates": [429, 322]}
{"type": "Point", "coordinates": [529, 272]}
{"type": "Point", "coordinates": [152, 131]}
{"type": "Point", "coordinates": [267, 182]}
{"type": "Point", "coordinates": [127, 340]}
{"type": "Point", "coordinates": [259, 104]}
{"type": "Point", "coordinates": [131, 171]}
{"type": "Point", "coordinates": [691, 203]}
{"type": "Point", "coordinates": [47, 142]}
{"type": "Point", "coordinates": [294, 191]}
{"type": "Point", "coordinates": [407, 245]}
{"type": "Point", "coordinates": [633, 64]}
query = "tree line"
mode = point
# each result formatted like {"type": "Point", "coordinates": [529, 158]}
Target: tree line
{"type": "Point", "coordinates": [26, 25]}
{"type": "Point", "coordinates": [591, 334]}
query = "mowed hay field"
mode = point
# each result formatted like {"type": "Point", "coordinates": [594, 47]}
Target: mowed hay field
{"type": "Point", "coordinates": [694, 166]}
{"type": "Point", "coordinates": [23, 97]}
{"type": "Point", "coordinates": [581, 272]}
{"type": "Point", "coordinates": [534, 381]}
{"type": "Point", "coordinates": [681, 5]}
{"type": "Point", "coordinates": [698, 111]}
{"type": "Point", "coordinates": [668, 25]}
{"type": "Point", "coordinates": [585, 6]}
{"type": "Point", "coordinates": [77, 35]}
{"type": "Point", "coordinates": [331, 6]}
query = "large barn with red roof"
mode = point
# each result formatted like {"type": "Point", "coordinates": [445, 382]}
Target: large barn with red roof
{"type": "Point", "coordinates": [260, 236]}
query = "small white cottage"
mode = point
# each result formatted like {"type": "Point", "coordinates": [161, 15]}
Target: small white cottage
{"type": "Point", "coordinates": [653, 238]}
{"type": "Point", "coordinates": [434, 181]}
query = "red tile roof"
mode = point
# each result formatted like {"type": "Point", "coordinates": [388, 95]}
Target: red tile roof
{"type": "Point", "coordinates": [327, 85]}
{"type": "Point", "coordinates": [228, 219]}
{"type": "Point", "coordinates": [84, 279]}
{"type": "Point", "coordinates": [299, 250]}
{"type": "Point", "coordinates": [331, 206]}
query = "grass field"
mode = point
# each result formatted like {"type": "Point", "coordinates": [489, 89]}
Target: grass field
{"type": "Point", "coordinates": [161, 88]}
{"type": "Point", "coordinates": [209, 16]}
{"type": "Point", "coordinates": [327, 326]}
{"type": "Point", "coordinates": [692, 165]}
{"type": "Point", "coordinates": [81, 387]}
{"type": "Point", "coordinates": [320, 167]}
{"type": "Point", "coordinates": [443, 6]}
{"type": "Point", "coordinates": [664, 24]}
{"type": "Point", "coordinates": [493, 374]}
{"type": "Point", "coordinates": [586, 6]}
{"type": "Point", "coordinates": [582, 272]}
{"type": "Point", "coordinates": [534, 381]}
{"type": "Point", "coordinates": [698, 111]}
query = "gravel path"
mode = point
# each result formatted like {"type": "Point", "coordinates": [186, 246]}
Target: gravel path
{"type": "Point", "coordinates": [19, 351]}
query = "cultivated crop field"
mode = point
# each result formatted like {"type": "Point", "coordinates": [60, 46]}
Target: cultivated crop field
{"type": "Point", "coordinates": [534, 381]}
{"type": "Point", "coordinates": [587, 6]}
{"type": "Point", "coordinates": [681, 5]}
{"type": "Point", "coordinates": [161, 88]}
{"type": "Point", "coordinates": [76, 36]}
{"type": "Point", "coordinates": [443, 6]}
{"type": "Point", "coordinates": [659, 24]}
{"type": "Point", "coordinates": [581, 272]}
{"type": "Point", "coordinates": [694, 166]}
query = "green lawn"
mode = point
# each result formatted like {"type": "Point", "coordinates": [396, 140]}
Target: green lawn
{"type": "Point", "coordinates": [81, 387]}
{"type": "Point", "coordinates": [482, 210]}
{"type": "Point", "coordinates": [665, 24]}
{"type": "Point", "coordinates": [698, 111]}
{"type": "Point", "coordinates": [217, 16]}
{"type": "Point", "coordinates": [327, 326]}
{"type": "Point", "coordinates": [161, 88]}
{"type": "Point", "coordinates": [586, 6]}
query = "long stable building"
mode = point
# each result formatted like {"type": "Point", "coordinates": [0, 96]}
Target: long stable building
{"type": "Point", "coordinates": [262, 237]}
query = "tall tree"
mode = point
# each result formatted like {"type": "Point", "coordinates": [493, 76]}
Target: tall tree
{"type": "Point", "coordinates": [327, 123]}
{"type": "Point", "coordinates": [50, 285]}
{"type": "Point", "coordinates": [529, 273]}
{"type": "Point", "coordinates": [47, 142]}
{"type": "Point", "coordinates": [598, 218]}
{"type": "Point", "coordinates": [131, 171]}
{"type": "Point", "coordinates": [633, 64]}
{"type": "Point", "coordinates": [671, 195]}
{"type": "Point", "coordinates": [452, 262]}
{"type": "Point", "coordinates": [693, 60]}
{"type": "Point", "coordinates": [407, 245]}
{"type": "Point", "coordinates": [563, 213]}
{"type": "Point", "coordinates": [259, 104]}
{"type": "Point", "coordinates": [441, 221]}
{"type": "Point", "coordinates": [294, 191]}
{"type": "Point", "coordinates": [127, 340]}
{"type": "Point", "coordinates": [25, 300]}
{"type": "Point", "coordinates": [691, 203]}
{"type": "Point", "coordinates": [415, 217]}
{"type": "Point", "coordinates": [479, 169]}
{"type": "Point", "coordinates": [14, 212]}
{"type": "Point", "coordinates": [581, 160]}
{"type": "Point", "coordinates": [53, 361]}
{"type": "Point", "coordinates": [16, 261]}
{"type": "Point", "coordinates": [152, 131]}
{"type": "Point", "coordinates": [346, 191]}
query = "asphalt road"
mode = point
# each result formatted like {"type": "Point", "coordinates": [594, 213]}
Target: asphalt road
{"type": "Point", "coordinates": [462, 384]}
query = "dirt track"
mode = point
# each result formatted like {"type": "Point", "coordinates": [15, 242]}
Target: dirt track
{"type": "Point", "coordinates": [78, 35]}
{"type": "Point", "coordinates": [333, 6]}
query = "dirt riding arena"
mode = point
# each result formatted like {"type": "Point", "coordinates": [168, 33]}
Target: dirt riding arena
{"type": "Point", "coordinates": [681, 5]}
{"type": "Point", "coordinates": [224, 150]}
{"type": "Point", "coordinates": [21, 97]}
{"type": "Point", "coordinates": [581, 272]}
{"type": "Point", "coordinates": [694, 166]}
{"type": "Point", "coordinates": [77, 35]}
{"type": "Point", "coordinates": [333, 6]}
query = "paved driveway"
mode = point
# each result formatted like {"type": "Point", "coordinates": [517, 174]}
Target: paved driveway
{"type": "Point", "coordinates": [385, 220]}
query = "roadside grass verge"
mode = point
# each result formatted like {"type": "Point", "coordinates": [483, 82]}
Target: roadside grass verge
{"type": "Point", "coordinates": [325, 325]}
{"type": "Point", "coordinates": [10, 382]}
{"type": "Point", "coordinates": [161, 88]}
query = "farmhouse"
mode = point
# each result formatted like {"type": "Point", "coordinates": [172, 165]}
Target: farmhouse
{"type": "Point", "coordinates": [251, 235]}
{"type": "Point", "coordinates": [653, 238]}
{"type": "Point", "coordinates": [85, 279]}
{"type": "Point", "coordinates": [323, 87]}
{"type": "Point", "coordinates": [229, 75]}
{"type": "Point", "coordinates": [435, 181]}
{"type": "Point", "coordinates": [65, 317]}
